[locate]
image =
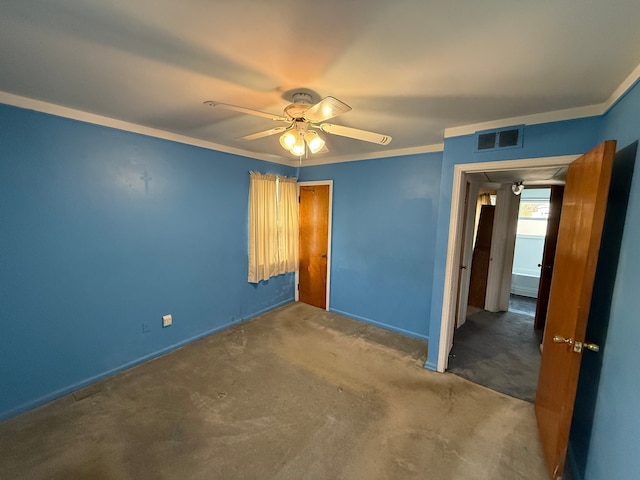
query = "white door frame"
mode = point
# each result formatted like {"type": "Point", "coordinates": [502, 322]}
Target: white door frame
{"type": "Point", "coordinates": [329, 228]}
{"type": "Point", "coordinates": [452, 270]}
{"type": "Point", "coordinates": [467, 250]}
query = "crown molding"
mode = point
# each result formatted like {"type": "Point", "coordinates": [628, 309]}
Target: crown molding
{"type": "Point", "coordinates": [82, 116]}
{"type": "Point", "coordinates": [72, 113]}
{"type": "Point", "coordinates": [553, 116]}
{"type": "Point", "coordinates": [546, 117]}
{"type": "Point", "coordinates": [622, 89]}
{"type": "Point", "coordinates": [437, 147]}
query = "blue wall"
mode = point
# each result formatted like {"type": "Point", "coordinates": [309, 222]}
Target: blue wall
{"type": "Point", "coordinates": [384, 212]}
{"type": "Point", "coordinates": [613, 450]}
{"type": "Point", "coordinates": [549, 139]}
{"type": "Point", "coordinates": [87, 253]}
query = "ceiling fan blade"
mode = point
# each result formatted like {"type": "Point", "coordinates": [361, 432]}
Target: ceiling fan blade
{"type": "Point", "coordinates": [248, 111]}
{"type": "Point", "coordinates": [266, 133]}
{"type": "Point", "coordinates": [325, 109]}
{"type": "Point", "coordinates": [356, 133]}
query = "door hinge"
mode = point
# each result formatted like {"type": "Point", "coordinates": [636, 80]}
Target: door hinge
{"type": "Point", "coordinates": [298, 198]}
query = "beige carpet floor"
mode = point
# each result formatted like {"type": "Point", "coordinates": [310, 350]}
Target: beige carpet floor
{"type": "Point", "coordinates": [297, 393]}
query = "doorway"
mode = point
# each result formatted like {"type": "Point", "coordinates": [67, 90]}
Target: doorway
{"type": "Point", "coordinates": [500, 349]}
{"type": "Point", "coordinates": [531, 232]}
{"type": "Point", "coordinates": [578, 244]}
{"type": "Point", "coordinates": [313, 278]}
{"type": "Point", "coordinates": [544, 169]}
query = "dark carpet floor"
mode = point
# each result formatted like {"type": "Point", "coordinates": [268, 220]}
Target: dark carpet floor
{"type": "Point", "coordinates": [523, 305]}
{"type": "Point", "coordinates": [500, 350]}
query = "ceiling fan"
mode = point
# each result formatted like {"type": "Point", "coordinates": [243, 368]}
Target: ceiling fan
{"type": "Point", "coordinates": [303, 118]}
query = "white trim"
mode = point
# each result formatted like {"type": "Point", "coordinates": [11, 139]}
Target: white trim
{"type": "Point", "coordinates": [452, 269]}
{"type": "Point", "coordinates": [330, 236]}
{"type": "Point", "coordinates": [437, 147]}
{"type": "Point", "coordinates": [623, 88]}
{"type": "Point", "coordinates": [545, 117]}
{"type": "Point", "coordinates": [467, 249]}
{"type": "Point", "coordinates": [66, 112]}
{"type": "Point", "coordinates": [553, 116]}
{"type": "Point", "coordinates": [453, 246]}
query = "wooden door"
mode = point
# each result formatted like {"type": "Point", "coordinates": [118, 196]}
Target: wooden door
{"type": "Point", "coordinates": [548, 256]}
{"type": "Point", "coordinates": [583, 210]}
{"type": "Point", "coordinates": [314, 238]}
{"type": "Point", "coordinates": [481, 257]}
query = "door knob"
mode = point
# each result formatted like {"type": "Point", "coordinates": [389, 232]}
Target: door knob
{"type": "Point", "coordinates": [577, 346]}
{"type": "Point", "coordinates": [559, 339]}
{"type": "Point", "coordinates": [324, 255]}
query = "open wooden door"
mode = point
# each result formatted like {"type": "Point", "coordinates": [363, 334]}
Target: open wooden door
{"type": "Point", "coordinates": [314, 240]}
{"type": "Point", "coordinates": [583, 211]}
{"type": "Point", "coordinates": [481, 257]}
{"type": "Point", "coordinates": [548, 256]}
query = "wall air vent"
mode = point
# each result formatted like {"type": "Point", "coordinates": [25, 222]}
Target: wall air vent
{"type": "Point", "coordinates": [510, 137]}
{"type": "Point", "coordinates": [487, 141]}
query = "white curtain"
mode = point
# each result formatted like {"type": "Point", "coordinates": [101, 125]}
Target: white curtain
{"type": "Point", "coordinates": [263, 231]}
{"type": "Point", "coordinates": [288, 224]}
{"type": "Point", "coordinates": [273, 226]}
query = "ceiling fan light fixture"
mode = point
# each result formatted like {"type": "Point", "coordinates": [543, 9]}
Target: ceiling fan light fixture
{"type": "Point", "coordinates": [288, 140]}
{"type": "Point", "coordinates": [314, 141]}
{"type": "Point", "coordinates": [517, 188]}
{"type": "Point", "coordinates": [298, 148]}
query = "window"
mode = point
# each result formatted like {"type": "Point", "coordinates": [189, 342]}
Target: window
{"type": "Point", "coordinates": [534, 212]}
{"type": "Point", "coordinates": [530, 235]}
{"type": "Point", "coordinates": [273, 226]}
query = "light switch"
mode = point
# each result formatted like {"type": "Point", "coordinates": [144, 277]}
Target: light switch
{"type": "Point", "coordinates": [167, 320]}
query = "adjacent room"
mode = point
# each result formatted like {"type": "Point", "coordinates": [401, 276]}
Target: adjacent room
{"type": "Point", "coordinates": [291, 240]}
{"type": "Point", "coordinates": [501, 349]}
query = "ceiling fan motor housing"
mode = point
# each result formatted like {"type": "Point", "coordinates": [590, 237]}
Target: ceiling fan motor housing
{"type": "Point", "coordinates": [302, 97]}
{"type": "Point", "coordinates": [301, 103]}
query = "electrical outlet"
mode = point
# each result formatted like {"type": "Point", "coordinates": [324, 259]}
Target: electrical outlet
{"type": "Point", "coordinates": [146, 328]}
{"type": "Point", "coordinates": [167, 320]}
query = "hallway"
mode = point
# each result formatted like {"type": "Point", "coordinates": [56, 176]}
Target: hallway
{"type": "Point", "coordinates": [500, 350]}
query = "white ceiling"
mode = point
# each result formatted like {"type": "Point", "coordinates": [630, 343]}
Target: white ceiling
{"type": "Point", "coordinates": [534, 176]}
{"type": "Point", "coordinates": [409, 68]}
